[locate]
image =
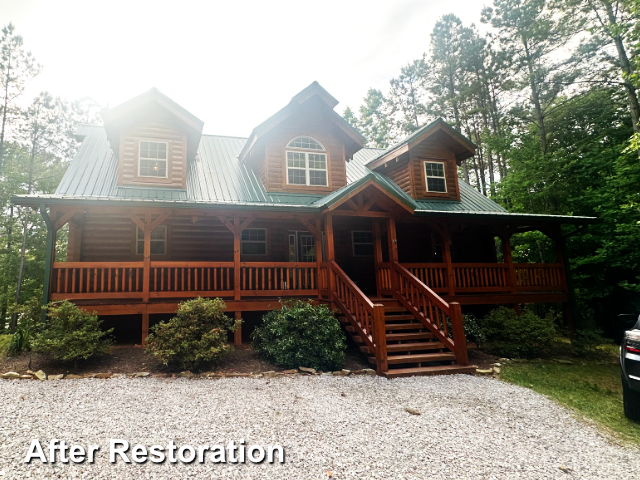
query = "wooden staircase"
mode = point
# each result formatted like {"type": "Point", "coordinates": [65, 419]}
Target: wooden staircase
{"type": "Point", "coordinates": [411, 348]}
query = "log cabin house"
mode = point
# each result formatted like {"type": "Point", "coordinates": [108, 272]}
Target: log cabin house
{"type": "Point", "coordinates": [159, 213]}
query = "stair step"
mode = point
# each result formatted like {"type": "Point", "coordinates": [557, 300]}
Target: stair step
{"type": "Point", "coordinates": [398, 337]}
{"type": "Point", "coordinates": [414, 347]}
{"type": "Point", "coordinates": [436, 370]}
{"type": "Point", "coordinates": [365, 349]}
{"type": "Point", "coordinates": [394, 309]}
{"type": "Point", "coordinates": [421, 358]}
{"type": "Point", "coordinates": [392, 318]}
{"type": "Point", "coordinates": [403, 326]}
{"type": "Point", "coordinates": [349, 329]}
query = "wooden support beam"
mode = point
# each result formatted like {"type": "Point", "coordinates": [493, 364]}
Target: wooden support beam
{"type": "Point", "coordinates": [236, 257]}
{"type": "Point", "coordinates": [377, 253]}
{"type": "Point", "coordinates": [317, 236]}
{"type": "Point", "coordinates": [508, 260]}
{"type": "Point", "coordinates": [60, 222]}
{"type": "Point", "coordinates": [237, 335]}
{"type": "Point", "coordinates": [393, 251]}
{"type": "Point", "coordinates": [331, 256]}
{"type": "Point", "coordinates": [146, 269]}
{"type": "Point", "coordinates": [446, 256]}
{"type": "Point", "coordinates": [145, 328]}
{"type": "Point", "coordinates": [158, 221]}
{"type": "Point", "coordinates": [137, 221]}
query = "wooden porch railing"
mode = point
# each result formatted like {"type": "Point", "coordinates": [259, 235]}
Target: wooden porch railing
{"type": "Point", "coordinates": [432, 311]}
{"type": "Point", "coordinates": [279, 278]}
{"type": "Point", "coordinates": [362, 314]}
{"type": "Point", "coordinates": [540, 276]}
{"type": "Point", "coordinates": [79, 280]}
{"type": "Point", "coordinates": [190, 279]}
{"type": "Point", "coordinates": [480, 277]}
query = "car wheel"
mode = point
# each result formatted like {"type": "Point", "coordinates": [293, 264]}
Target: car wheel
{"type": "Point", "coordinates": [631, 401]}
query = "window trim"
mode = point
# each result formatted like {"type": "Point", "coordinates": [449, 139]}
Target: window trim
{"type": "Point", "coordinates": [307, 169]}
{"type": "Point", "coordinates": [353, 243]}
{"type": "Point", "coordinates": [426, 176]}
{"type": "Point", "coordinates": [265, 242]}
{"type": "Point", "coordinates": [164, 240]}
{"type": "Point", "coordinates": [151, 140]}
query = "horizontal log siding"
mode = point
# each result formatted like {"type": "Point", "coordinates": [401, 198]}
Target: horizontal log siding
{"type": "Point", "coordinates": [401, 175]}
{"type": "Point", "coordinates": [107, 239]}
{"type": "Point", "coordinates": [177, 154]}
{"type": "Point", "coordinates": [275, 171]}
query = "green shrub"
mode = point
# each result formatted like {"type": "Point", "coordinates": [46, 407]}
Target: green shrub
{"type": "Point", "coordinates": [587, 342]}
{"type": "Point", "coordinates": [5, 340]}
{"type": "Point", "coordinates": [301, 335]}
{"type": "Point", "coordinates": [196, 336]}
{"type": "Point", "coordinates": [517, 336]}
{"type": "Point", "coordinates": [28, 319]}
{"type": "Point", "coordinates": [71, 333]}
{"type": "Point", "coordinates": [473, 332]}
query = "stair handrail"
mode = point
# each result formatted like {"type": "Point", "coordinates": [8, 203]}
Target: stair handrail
{"type": "Point", "coordinates": [366, 317]}
{"type": "Point", "coordinates": [422, 302]}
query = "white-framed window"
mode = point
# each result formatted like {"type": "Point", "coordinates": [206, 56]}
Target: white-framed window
{"type": "Point", "coordinates": [158, 241]}
{"type": "Point", "coordinates": [362, 243]}
{"type": "Point", "coordinates": [253, 241]}
{"type": "Point", "coordinates": [435, 177]}
{"type": "Point", "coordinates": [152, 159]}
{"type": "Point", "coordinates": [305, 164]}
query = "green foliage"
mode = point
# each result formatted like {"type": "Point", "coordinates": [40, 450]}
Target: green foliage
{"type": "Point", "coordinates": [28, 318]}
{"type": "Point", "coordinates": [301, 335]}
{"type": "Point", "coordinates": [588, 342]}
{"type": "Point", "coordinates": [473, 331]}
{"type": "Point", "coordinates": [5, 340]}
{"type": "Point", "coordinates": [195, 337]}
{"type": "Point", "coordinates": [71, 334]}
{"type": "Point", "coordinates": [517, 336]}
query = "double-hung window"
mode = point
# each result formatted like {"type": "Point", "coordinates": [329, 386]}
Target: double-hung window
{"type": "Point", "coordinates": [306, 162]}
{"type": "Point", "coordinates": [254, 241]}
{"type": "Point", "coordinates": [158, 241]}
{"type": "Point", "coordinates": [435, 177]}
{"type": "Point", "coordinates": [152, 159]}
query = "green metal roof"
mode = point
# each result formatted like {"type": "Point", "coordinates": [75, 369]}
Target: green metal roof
{"type": "Point", "coordinates": [217, 179]}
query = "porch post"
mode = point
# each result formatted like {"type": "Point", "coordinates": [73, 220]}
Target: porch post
{"type": "Point", "coordinates": [236, 257]}
{"type": "Point", "coordinates": [318, 248]}
{"type": "Point", "coordinates": [377, 254]}
{"type": "Point", "coordinates": [508, 260]}
{"type": "Point", "coordinates": [328, 226]}
{"type": "Point", "coordinates": [393, 251]}
{"type": "Point", "coordinates": [48, 260]}
{"type": "Point", "coordinates": [146, 275]}
{"type": "Point", "coordinates": [446, 256]}
{"type": "Point", "coordinates": [570, 307]}
{"type": "Point", "coordinates": [145, 328]}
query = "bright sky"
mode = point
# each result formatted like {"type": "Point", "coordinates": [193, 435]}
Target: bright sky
{"type": "Point", "coordinates": [231, 63]}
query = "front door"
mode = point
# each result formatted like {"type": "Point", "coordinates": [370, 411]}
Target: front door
{"type": "Point", "coordinates": [301, 247]}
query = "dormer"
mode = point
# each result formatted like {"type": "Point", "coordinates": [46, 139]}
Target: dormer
{"type": "Point", "coordinates": [304, 147]}
{"type": "Point", "coordinates": [154, 138]}
{"type": "Point", "coordinates": [425, 164]}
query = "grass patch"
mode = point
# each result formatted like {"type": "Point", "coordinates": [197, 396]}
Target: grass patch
{"type": "Point", "coordinates": [590, 387]}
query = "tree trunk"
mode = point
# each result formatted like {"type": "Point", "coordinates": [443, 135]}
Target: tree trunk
{"type": "Point", "coordinates": [7, 79]}
{"type": "Point", "coordinates": [625, 66]}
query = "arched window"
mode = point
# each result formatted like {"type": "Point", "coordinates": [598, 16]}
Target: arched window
{"type": "Point", "coordinates": [306, 165]}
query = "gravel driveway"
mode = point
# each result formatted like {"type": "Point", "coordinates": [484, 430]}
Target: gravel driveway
{"type": "Point", "coordinates": [355, 427]}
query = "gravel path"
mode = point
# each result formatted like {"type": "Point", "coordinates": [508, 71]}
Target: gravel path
{"type": "Point", "coordinates": [355, 427]}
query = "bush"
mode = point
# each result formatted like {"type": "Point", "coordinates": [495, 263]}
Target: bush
{"type": "Point", "coordinates": [196, 336]}
{"type": "Point", "coordinates": [517, 336]}
{"type": "Point", "coordinates": [587, 342]}
{"type": "Point", "coordinates": [5, 340]}
{"type": "Point", "coordinates": [71, 333]}
{"type": "Point", "coordinates": [473, 332]}
{"type": "Point", "coordinates": [301, 335]}
{"type": "Point", "coordinates": [28, 319]}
